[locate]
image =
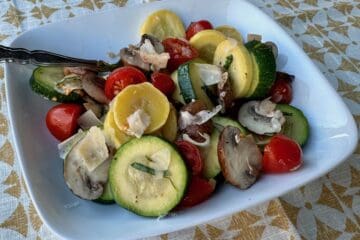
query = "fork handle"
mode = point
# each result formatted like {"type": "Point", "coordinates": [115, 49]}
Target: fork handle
{"type": "Point", "coordinates": [45, 58]}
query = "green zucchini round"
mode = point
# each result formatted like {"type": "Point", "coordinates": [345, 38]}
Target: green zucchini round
{"type": "Point", "coordinates": [137, 187]}
{"type": "Point", "coordinates": [264, 67]}
{"type": "Point", "coordinates": [43, 82]}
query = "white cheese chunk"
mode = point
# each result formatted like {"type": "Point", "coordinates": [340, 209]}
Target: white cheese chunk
{"type": "Point", "coordinates": [138, 122]}
{"type": "Point", "coordinates": [92, 150]}
{"type": "Point", "coordinates": [160, 160]}
{"type": "Point", "coordinates": [209, 74]}
{"type": "Point", "coordinates": [149, 55]}
{"type": "Point", "coordinates": [187, 119]}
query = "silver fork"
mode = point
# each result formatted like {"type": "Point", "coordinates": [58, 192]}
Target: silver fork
{"type": "Point", "coordinates": [45, 58]}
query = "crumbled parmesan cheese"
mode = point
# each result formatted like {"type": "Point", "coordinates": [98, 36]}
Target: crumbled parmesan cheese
{"type": "Point", "coordinates": [148, 54]}
{"type": "Point", "coordinates": [187, 119]}
{"type": "Point", "coordinates": [138, 122]}
{"type": "Point", "coordinates": [92, 149]}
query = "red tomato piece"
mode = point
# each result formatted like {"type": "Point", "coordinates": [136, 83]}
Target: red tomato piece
{"type": "Point", "coordinates": [281, 154]}
{"type": "Point", "coordinates": [192, 156]}
{"type": "Point", "coordinates": [198, 191]}
{"type": "Point", "coordinates": [163, 82]}
{"type": "Point", "coordinates": [61, 120]}
{"type": "Point", "coordinates": [196, 27]}
{"type": "Point", "coordinates": [122, 77]}
{"type": "Point", "coordinates": [281, 91]}
{"type": "Point", "coordinates": [180, 52]}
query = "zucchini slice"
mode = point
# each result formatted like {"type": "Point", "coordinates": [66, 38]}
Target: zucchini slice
{"type": "Point", "coordinates": [264, 71]}
{"type": "Point", "coordinates": [191, 86]}
{"type": "Point", "coordinates": [222, 122]}
{"type": "Point", "coordinates": [43, 81]}
{"type": "Point", "coordinates": [211, 162]}
{"type": "Point", "coordinates": [144, 184]}
{"type": "Point", "coordinates": [177, 93]}
{"type": "Point", "coordinates": [106, 197]}
{"type": "Point", "coordinates": [296, 125]}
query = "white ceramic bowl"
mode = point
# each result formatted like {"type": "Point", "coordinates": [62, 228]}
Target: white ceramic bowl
{"type": "Point", "coordinates": [333, 131]}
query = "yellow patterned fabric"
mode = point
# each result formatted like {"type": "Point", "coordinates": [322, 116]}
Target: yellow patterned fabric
{"type": "Point", "coordinates": [328, 208]}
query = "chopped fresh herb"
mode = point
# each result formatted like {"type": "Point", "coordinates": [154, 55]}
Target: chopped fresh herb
{"type": "Point", "coordinates": [149, 170]}
{"type": "Point", "coordinates": [228, 61]}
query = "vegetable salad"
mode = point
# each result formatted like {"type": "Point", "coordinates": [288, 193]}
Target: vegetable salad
{"type": "Point", "coordinates": [184, 112]}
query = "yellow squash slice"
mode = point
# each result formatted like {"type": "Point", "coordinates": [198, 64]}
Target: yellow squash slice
{"type": "Point", "coordinates": [114, 136]}
{"type": "Point", "coordinates": [230, 32]}
{"type": "Point", "coordinates": [241, 68]}
{"type": "Point", "coordinates": [163, 24]}
{"type": "Point", "coordinates": [143, 97]}
{"type": "Point", "coordinates": [169, 130]}
{"type": "Point", "coordinates": [206, 42]}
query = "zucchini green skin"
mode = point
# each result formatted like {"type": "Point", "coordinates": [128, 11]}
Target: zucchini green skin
{"type": "Point", "coordinates": [264, 67]}
{"type": "Point", "coordinates": [185, 84]}
{"type": "Point", "coordinates": [43, 82]}
{"type": "Point", "coordinates": [158, 203]}
{"type": "Point", "coordinates": [107, 196]}
{"type": "Point", "coordinates": [191, 86]}
{"type": "Point", "coordinates": [296, 125]}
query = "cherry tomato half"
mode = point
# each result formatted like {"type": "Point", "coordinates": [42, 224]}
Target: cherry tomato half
{"type": "Point", "coordinates": [198, 191]}
{"type": "Point", "coordinates": [281, 154]}
{"type": "Point", "coordinates": [61, 120]}
{"type": "Point", "coordinates": [163, 82]}
{"type": "Point", "coordinates": [196, 27]}
{"type": "Point", "coordinates": [121, 78]}
{"type": "Point", "coordinates": [192, 156]}
{"type": "Point", "coordinates": [281, 91]}
{"type": "Point", "coordinates": [180, 52]}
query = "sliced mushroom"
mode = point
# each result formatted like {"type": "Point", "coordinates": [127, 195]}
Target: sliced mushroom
{"type": "Point", "coordinates": [256, 37]}
{"type": "Point", "coordinates": [94, 87]}
{"type": "Point", "coordinates": [225, 93]}
{"type": "Point", "coordinates": [148, 54]}
{"type": "Point", "coordinates": [88, 119]}
{"type": "Point", "coordinates": [285, 76]}
{"type": "Point", "coordinates": [131, 57]}
{"type": "Point", "coordinates": [239, 157]}
{"type": "Point", "coordinates": [86, 166]}
{"type": "Point", "coordinates": [96, 108]}
{"type": "Point", "coordinates": [77, 70]}
{"type": "Point", "coordinates": [261, 117]}
{"type": "Point", "coordinates": [273, 48]}
{"type": "Point", "coordinates": [154, 41]}
{"type": "Point", "coordinates": [70, 83]}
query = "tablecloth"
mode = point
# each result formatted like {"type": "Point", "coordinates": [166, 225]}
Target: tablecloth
{"type": "Point", "coordinates": [328, 208]}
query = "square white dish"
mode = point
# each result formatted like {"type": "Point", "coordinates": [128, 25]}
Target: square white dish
{"type": "Point", "coordinates": [333, 130]}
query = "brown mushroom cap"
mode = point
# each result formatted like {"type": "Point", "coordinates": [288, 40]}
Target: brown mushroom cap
{"type": "Point", "coordinates": [239, 157]}
{"type": "Point", "coordinates": [84, 181]}
{"type": "Point", "coordinates": [94, 87]}
{"type": "Point", "coordinates": [225, 93]}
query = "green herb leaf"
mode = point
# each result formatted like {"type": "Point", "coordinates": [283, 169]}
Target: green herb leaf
{"type": "Point", "coordinates": [146, 169]}
{"type": "Point", "coordinates": [228, 61]}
